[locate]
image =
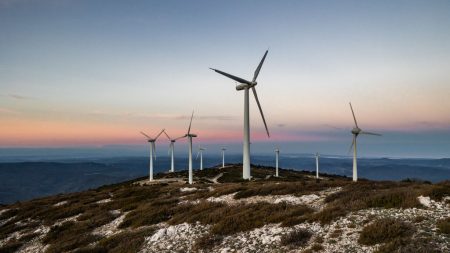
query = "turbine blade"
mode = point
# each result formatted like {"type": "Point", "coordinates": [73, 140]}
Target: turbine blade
{"type": "Point", "coordinates": [369, 133]}
{"type": "Point", "coordinates": [148, 137]}
{"type": "Point", "coordinates": [259, 66]}
{"type": "Point", "coordinates": [198, 153]}
{"type": "Point", "coordinates": [356, 123]}
{"type": "Point", "coordinates": [190, 123]}
{"type": "Point", "coordinates": [260, 110]}
{"type": "Point", "coordinates": [351, 146]}
{"type": "Point", "coordinates": [170, 148]}
{"type": "Point", "coordinates": [238, 79]}
{"type": "Point", "coordinates": [181, 137]}
{"type": "Point", "coordinates": [159, 134]}
{"type": "Point", "coordinates": [166, 135]}
{"type": "Point", "coordinates": [154, 150]}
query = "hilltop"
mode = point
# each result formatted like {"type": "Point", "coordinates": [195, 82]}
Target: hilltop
{"type": "Point", "coordinates": [223, 213]}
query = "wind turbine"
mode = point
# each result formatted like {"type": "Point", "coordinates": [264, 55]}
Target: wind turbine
{"type": "Point", "coordinates": [277, 154]}
{"type": "Point", "coordinates": [317, 165]}
{"type": "Point", "coordinates": [171, 149]}
{"type": "Point", "coordinates": [223, 157]}
{"type": "Point", "coordinates": [190, 136]}
{"type": "Point", "coordinates": [200, 152]}
{"type": "Point", "coordinates": [152, 152]}
{"type": "Point", "coordinates": [357, 131]}
{"type": "Point", "coordinates": [246, 85]}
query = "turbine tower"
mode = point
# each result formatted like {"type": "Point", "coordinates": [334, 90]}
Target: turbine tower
{"type": "Point", "coordinates": [190, 136]}
{"type": "Point", "coordinates": [200, 153]}
{"type": "Point", "coordinates": [171, 150]}
{"type": "Point", "coordinates": [152, 152]}
{"type": "Point", "coordinates": [317, 165]}
{"type": "Point", "coordinates": [277, 154]}
{"type": "Point", "coordinates": [357, 131]}
{"type": "Point", "coordinates": [246, 85]}
{"type": "Point", "coordinates": [223, 157]}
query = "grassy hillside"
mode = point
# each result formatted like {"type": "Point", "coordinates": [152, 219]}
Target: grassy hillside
{"type": "Point", "coordinates": [294, 212]}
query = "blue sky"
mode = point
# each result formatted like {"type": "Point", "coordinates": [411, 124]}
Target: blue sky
{"type": "Point", "coordinates": [92, 73]}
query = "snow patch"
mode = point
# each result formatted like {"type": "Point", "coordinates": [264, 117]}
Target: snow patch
{"type": "Point", "coordinates": [61, 203]}
{"type": "Point", "coordinates": [3, 211]}
{"type": "Point", "coordinates": [71, 218]}
{"type": "Point", "coordinates": [177, 238]}
{"type": "Point", "coordinates": [188, 189]}
{"type": "Point", "coordinates": [313, 200]}
{"type": "Point", "coordinates": [103, 201]}
{"type": "Point", "coordinates": [429, 203]}
{"type": "Point", "coordinates": [112, 227]}
{"type": "Point", "coordinates": [426, 201]}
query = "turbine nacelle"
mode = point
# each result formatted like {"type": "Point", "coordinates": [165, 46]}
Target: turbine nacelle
{"type": "Point", "coordinates": [243, 86]}
{"type": "Point", "coordinates": [190, 135]}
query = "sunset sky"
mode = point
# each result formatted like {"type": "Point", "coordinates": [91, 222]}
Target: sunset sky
{"type": "Point", "coordinates": [79, 73]}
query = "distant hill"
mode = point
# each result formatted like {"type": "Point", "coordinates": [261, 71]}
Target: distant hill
{"type": "Point", "coordinates": [221, 212]}
{"type": "Point", "coordinates": [26, 180]}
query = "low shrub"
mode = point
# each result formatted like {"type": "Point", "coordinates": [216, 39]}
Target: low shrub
{"type": "Point", "coordinates": [408, 245]}
{"type": "Point", "coordinates": [444, 226]}
{"type": "Point", "coordinates": [385, 230]}
{"type": "Point", "coordinates": [207, 242]}
{"type": "Point", "coordinates": [316, 247]}
{"type": "Point", "coordinates": [124, 242]}
{"type": "Point", "coordinates": [299, 237]}
{"type": "Point", "coordinates": [69, 236]}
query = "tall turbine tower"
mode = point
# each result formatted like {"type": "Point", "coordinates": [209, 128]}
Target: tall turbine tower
{"type": "Point", "coordinates": [190, 136]}
{"type": "Point", "coordinates": [223, 157]}
{"type": "Point", "coordinates": [277, 154]}
{"type": "Point", "coordinates": [152, 152]}
{"type": "Point", "coordinates": [200, 153]}
{"type": "Point", "coordinates": [246, 85]}
{"type": "Point", "coordinates": [357, 131]}
{"type": "Point", "coordinates": [171, 150]}
{"type": "Point", "coordinates": [317, 165]}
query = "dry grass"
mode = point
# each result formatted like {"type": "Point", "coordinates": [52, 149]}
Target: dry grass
{"type": "Point", "coordinates": [125, 242]}
{"type": "Point", "coordinates": [366, 194]}
{"type": "Point", "coordinates": [231, 219]}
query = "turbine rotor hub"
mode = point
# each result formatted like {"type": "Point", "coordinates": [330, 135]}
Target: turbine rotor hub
{"type": "Point", "coordinates": [356, 130]}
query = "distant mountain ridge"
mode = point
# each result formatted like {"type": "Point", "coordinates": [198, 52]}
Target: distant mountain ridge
{"type": "Point", "coordinates": [26, 180]}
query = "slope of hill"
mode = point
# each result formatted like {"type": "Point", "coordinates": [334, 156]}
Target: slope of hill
{"type": "Point", "coordinates": [223, 213]}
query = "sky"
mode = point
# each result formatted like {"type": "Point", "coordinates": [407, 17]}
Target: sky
{"type": "Point", "coordinates": [78, 73]}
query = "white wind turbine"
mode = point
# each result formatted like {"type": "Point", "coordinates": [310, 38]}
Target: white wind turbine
{"type": "Point", "coordinates": [246, 85]}
{"type": "Point", "coordinates": [200, 153]}
{"type": "Point", "coordinates": [171, 150]}
{"type": "Point", "coordinates": [317, 165]}
{"type": "Point", "coordinates": [356, 131]}
{"type": "Point", "coordinates": [277, 154]}
{"type": "Point", "coordinates": [152, 151]}
{"type": "Point", "coordinates": [223, 157]}
{"type": "Point", "coordinates": [190, 136]}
